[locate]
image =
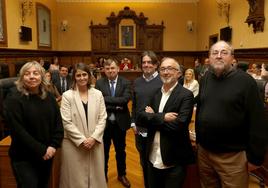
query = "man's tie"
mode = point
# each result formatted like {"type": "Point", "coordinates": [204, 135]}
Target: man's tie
{"type": "Point", "coordinates": [63, 86]}
{"type": "Point", "coordinates": [112, 88]}
{"type": "Point", "coordinates": [112, 116]}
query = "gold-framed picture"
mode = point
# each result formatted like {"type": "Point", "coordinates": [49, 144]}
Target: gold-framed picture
{"type": "Point", "coordinates": [127, 35]}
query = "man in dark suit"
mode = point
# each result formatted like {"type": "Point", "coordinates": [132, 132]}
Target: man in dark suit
{"type": "Point", "coordinates": [61, 79]}
{"type": "Point", "coordinates": [116, 92]}
{"type": "Point", "coordinates": [167, 118]}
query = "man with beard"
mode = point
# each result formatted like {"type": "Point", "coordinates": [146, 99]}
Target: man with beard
{"type": "Point", "coordinates": [167, 118]}
{"type": "Point", "coordinates": [144, 89]}
{"type": "Point", "coordinates": [230, 128]}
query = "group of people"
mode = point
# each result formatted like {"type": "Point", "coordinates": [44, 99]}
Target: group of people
{"type": "Point", "coordinates": [81, 126]}
{"type": "Point", "coordinates": [231, 128]}
{"type": "Point", "coordinates": [200, 69]}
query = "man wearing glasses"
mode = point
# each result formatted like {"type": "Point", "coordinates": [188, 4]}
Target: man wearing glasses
{"type": "Point", "coordinates": [230, 127]}
{"type": "Point", "coordinates": [167, 118]}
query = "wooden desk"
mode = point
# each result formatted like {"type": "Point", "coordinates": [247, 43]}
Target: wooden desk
{"type": "Point", "coordinates": [130, 75]}
{"type": "Point", "coordinates": [7, 179]}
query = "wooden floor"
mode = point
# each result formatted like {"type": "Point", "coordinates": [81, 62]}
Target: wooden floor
{"type": "Point", "coordinates": [134, 173]}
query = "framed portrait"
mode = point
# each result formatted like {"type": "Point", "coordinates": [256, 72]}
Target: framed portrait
{"type": "Point", "coordinates": [43, 26]}
{"type": "Point", "coordinates": [3, 29]}
{"type": "Point", "coordinates": [127, 35]}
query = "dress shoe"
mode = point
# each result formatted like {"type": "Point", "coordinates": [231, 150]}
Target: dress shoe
{"type": "Point", "coordinates": [124, 181]}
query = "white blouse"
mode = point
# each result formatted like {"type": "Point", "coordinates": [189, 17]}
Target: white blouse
{"type": "Point", "coordinates": [192, 86]}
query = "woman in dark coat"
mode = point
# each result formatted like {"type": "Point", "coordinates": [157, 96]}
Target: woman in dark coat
{"type": "Point", "coordinates": [36, 127]}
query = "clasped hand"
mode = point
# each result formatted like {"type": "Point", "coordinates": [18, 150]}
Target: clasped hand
{"type": "Point", "coordinates": [88, 143]}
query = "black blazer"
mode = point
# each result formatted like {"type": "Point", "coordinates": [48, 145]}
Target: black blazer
{"type": "Point", "coordinates": [118, 103]}
{"type": "Point", "coordinates": [175, 143]}
{"type": "Point", "coordinates": [56, 81]}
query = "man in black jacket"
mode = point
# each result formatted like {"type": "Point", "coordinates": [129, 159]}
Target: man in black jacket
{"type": "Point", "coordinates": [61, 79]}
{"type": "Point", "coordinates": [116, 92]}
{"type": "Point", "coordinates": [167, 118]}
{"type": "Point", "coordinates": [230, 126]}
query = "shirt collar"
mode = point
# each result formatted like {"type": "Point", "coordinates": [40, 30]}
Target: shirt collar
{"type": "Point", "coordinates": [150, 77]}
{"type": "Point", "coordinates": [170, 90]}
{"type": "Point", "coordinates": [115, 80]}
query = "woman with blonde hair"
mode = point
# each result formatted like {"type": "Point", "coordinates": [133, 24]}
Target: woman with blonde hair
{"type": "Point", "coordinates": [36, 127]}
{"type": "Point", "coordinates": [264, 75]}
{"type": "Point", "coordinates": [190, 82]}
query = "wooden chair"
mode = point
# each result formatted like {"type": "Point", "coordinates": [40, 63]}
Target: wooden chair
{"type": "Point", "coordinates": [261, 173]}
{"type": "Point", "coordinates": [5, 85]}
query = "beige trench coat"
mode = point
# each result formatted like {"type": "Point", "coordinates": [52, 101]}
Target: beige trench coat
{"type": "Point", "coordinates": [81, 168]}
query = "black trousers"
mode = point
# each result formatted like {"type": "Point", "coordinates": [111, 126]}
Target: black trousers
{"type": "Point", "coordinates": [166, 178]}
{"type": "Point", "coordinates": [141, 147]}
{"type": "Point", "coordinates": [29, 174]}
{"type": "Point", "coordinates": [113, 133]}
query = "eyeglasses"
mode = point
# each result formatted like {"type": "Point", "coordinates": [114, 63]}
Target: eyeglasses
{"type": "Point", "coordinates": [168, 69]}
{"type": "Point", "coordinates": [221, 53]}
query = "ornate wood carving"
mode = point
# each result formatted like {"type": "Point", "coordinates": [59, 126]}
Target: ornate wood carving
{"type": "Point", "coordinates": [256, 15]}
{"type": "Point", "coordinates": [153, 37]}
{"type": "Point", "coordinates": [100, 37]}
{"type": "Point", "coordinates": [106, 37]}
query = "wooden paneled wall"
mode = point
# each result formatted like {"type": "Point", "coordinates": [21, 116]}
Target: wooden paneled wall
{"type": "Point", "coordinates": [257, 55]}
{"type": "Point", "coordinates": [13, 58]}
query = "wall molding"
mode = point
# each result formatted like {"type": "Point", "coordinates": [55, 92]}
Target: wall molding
{"type": "Point", "coordinates": [127, 1]}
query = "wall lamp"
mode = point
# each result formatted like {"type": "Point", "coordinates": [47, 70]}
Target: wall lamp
{"type": "Point", "coordinates": [190, 26]}
{"type": "Point", "coordinates": [64, 25]}
{"type": "Point", "coordinates": [26, 7]}
{"type": "Point", "coordinates": [224, 9]}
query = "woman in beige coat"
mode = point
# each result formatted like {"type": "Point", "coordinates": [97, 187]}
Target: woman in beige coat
{"type": "Point", "coordinates": [84, 115]}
